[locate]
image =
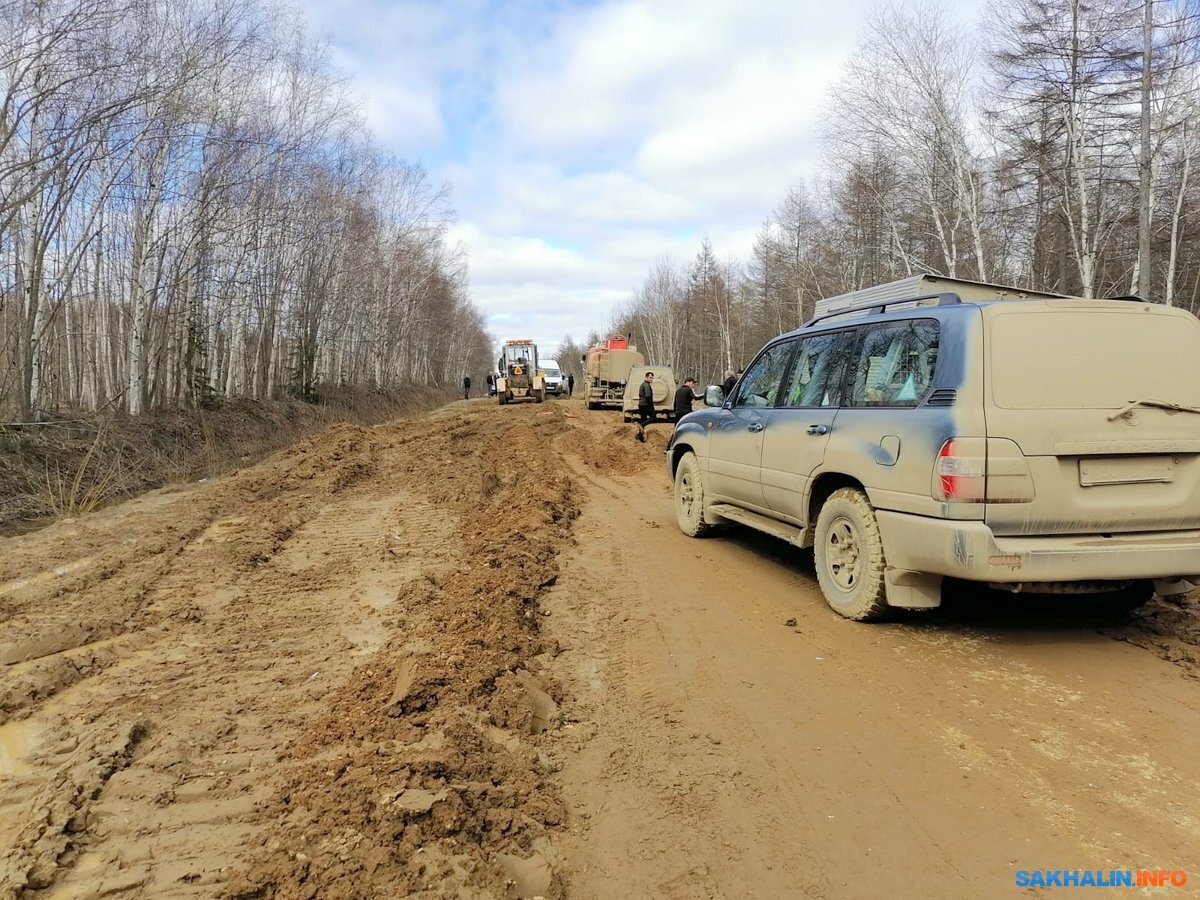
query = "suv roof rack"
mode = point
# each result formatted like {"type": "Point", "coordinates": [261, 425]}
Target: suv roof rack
{"type": "Point", "coordinates": [1134, 298]}
{"type": "Point", "coordinates": [945, 298]}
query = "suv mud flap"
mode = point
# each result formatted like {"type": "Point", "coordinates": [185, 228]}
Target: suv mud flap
{"type": "Point", "coordinates": [912, 590]}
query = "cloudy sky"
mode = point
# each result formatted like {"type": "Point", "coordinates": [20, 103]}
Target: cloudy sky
{"type": "Point", "coordinates": [582, 140]}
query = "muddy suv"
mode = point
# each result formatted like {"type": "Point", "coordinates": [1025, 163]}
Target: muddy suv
{"type": "Point", "coordinates": [1040, 445]}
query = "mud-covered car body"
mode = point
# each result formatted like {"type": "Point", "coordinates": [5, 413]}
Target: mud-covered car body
{"type": "Point", "coordinates": [1048, 445]}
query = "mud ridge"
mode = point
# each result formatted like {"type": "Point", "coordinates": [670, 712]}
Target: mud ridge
{"type": "Point", "coordinates": [424, 776]}
{"type": "Point", "coordinates": [64, 805]}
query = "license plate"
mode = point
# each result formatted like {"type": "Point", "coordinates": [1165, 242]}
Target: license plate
{"type": "Point", "coordinates": [1126, 470]}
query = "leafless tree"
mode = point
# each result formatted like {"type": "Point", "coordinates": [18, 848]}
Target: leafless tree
{"type": "Point", "coordinates": [191, 208]}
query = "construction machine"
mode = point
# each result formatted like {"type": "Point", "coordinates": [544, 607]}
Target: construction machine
{"type": "Point", "coordinates": [520, 378]}
{"type": "Point", "coordinates": [606, 371]}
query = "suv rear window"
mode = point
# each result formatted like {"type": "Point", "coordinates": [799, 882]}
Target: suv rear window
{"type": "Point", "coordinates": [1093, 359]}
{"type": "Point", "coordinates": [895, 363]}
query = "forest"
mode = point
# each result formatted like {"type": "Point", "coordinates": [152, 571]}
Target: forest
{"type": "Point", "coordinates": [191, 209]}
{"type": "Point", "coordinates": [1052, 146]}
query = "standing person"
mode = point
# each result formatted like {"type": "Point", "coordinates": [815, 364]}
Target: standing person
{"type": "Point", "coordinates": [570, 384]}
{"type": "Point", "coordinates": [491, 384]}
{"type": "Point", "coordinates": [684, 397]}
{"type": "Point", "coordinates": [730, 381]}
{"type": "Point", "coordinates": [466, 387]}
{"type": "Point", "coordinates": [645, 405]}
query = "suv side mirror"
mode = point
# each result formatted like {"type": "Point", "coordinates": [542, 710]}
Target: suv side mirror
{"type": "Point", "coordinates": [714, 395]}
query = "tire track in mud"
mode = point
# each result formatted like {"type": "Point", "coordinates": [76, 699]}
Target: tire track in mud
{"type": "Point", "coordinates": [423, 775]}
{"type": "Point", "coordinates": [56, 632]}
{"type": "Point", "coordinates": [224, 651]}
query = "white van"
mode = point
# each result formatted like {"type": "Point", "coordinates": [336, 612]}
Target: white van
{"type": "Point", "coordinates": [556, 379]}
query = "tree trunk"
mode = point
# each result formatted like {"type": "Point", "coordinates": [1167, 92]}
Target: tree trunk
{"type": "Point", "coordinates": [1144, 162]}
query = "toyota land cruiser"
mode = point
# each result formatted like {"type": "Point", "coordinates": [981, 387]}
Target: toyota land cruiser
{"type": "Point", "coordinates": [1039, 445]}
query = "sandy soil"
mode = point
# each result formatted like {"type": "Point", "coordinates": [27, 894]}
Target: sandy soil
{"type": "Point", "coordinates": [471, 656]}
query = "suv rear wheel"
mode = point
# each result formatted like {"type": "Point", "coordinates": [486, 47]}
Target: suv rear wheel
{"type": "Point", "coordinates": [848, 551]}
{"type": "Point", "coordinates": [689, 497]}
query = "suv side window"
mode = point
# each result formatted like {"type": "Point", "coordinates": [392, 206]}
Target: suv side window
{"type": "Point", "coordinates": [760, 385]}
{"type": "Point", "coordinates": [819, 371]}
{"type": "Point", "coordinates": [895, 363]}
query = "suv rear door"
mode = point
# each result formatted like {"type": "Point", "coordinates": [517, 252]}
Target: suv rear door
{"type": "Point", "coordinates": [891, 423]}
{"type": "Point", "coordinates": [798, 430]}
{"type": "Point", "coordinates": [1062, 381]}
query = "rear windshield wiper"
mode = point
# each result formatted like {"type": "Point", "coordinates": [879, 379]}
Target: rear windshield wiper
{"type": "Point", "coordinates": [1156, 404]}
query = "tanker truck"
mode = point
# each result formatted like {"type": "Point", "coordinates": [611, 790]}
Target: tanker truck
{"type": "Point", "coordinates": [606, 371]}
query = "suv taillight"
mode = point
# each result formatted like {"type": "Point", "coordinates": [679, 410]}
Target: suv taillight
{"type": "Point", "coordinates": [960, 474]}
{"type": "Point", "coordinates": [981, 470]}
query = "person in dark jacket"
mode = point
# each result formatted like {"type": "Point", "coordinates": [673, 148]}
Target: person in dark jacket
{"type": "Point", "coordinates": [645, 405]}
{"type": "Point", "coordinates": [684, 398]}
{"type": "Point", "coordinates": [570, 384]}
{"type": "Point", "coordinates": [730, 381]}
{"type": "Point", "coordinates": [466, 387]}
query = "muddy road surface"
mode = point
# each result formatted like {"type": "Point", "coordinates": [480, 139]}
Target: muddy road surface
{"type": "Point", "coordinates": [470, 655]}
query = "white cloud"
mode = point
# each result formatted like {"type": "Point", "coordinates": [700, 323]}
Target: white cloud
{"type": "Point", "coordinates": [583, 142]}
{"type": "Point", "coordinates": [400, 116]}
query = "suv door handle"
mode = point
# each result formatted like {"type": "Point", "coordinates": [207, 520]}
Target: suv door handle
{"type": "Point", "coordinates": [818, 429]}
{"type": "Point", "coordinates": [755, 427]}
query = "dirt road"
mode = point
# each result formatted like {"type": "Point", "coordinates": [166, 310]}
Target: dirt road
{"type": "Point", "coordinates": [471, 656]}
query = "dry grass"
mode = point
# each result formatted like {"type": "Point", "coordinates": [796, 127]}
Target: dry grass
{"type": "Point", "coordinates": [80, 463]}
{"type": "Point", "coordinates": [94, 481]}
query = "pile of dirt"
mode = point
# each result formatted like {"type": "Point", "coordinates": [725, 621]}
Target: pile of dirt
{"type": "Point", "coordinates": [614, 449]}
{"type": "Point", "coordinates": [76, 464]}
{"type": "Point", "coordinates": [424, 775]}
{"type": "Point", "coordinates": [1170, 628]}
{"type": "Point", "coordinates": [320, 676]}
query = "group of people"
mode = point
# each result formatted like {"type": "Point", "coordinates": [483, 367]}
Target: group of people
{"type": "Point", "coordinates": [647, 414]}
{"type": "Point", "coordinates": [491, 385]}
{"type": "Point", "coordinates": [684, 397]}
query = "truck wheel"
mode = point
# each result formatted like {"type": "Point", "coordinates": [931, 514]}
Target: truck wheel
{"type": "Point", "coordinates": [689, 497]}
{"type": "Point", "coordinates": [848, 551]}
{"type": "Point", "coordinates": [539, 396]}
{"type": "Point", "coordinates": [592, 405]}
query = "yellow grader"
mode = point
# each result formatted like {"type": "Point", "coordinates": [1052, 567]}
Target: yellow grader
{"type": "Point", "coordinates": [520, 377]}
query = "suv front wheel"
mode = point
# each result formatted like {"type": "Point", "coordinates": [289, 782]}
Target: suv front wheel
{"type": "Point", "coordinates": [689, 497]}
{"type": "Point", "coordinates": [848, 552]}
